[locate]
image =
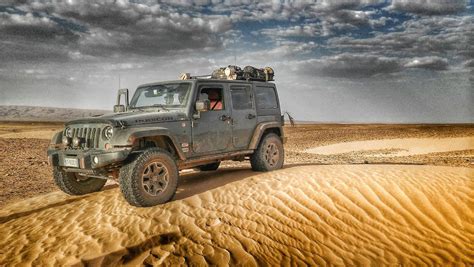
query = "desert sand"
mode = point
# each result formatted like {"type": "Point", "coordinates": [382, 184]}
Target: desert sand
{"type": "Point", "coordinates": [400, 147]}
{"type": "Point", "coordinates": [333, 209]}
{"type": "Point", "coordinates": [351, 215]}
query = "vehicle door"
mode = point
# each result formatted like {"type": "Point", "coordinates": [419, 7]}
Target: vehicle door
{"type": "Point", "coordinates": [212, 131]}
{"type": "Point", "coordinates": [244, 117]}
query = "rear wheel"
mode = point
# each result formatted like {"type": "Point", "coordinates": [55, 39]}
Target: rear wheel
{"type": "Point", "coordinates": [210, 167]}
{"type": "Point", "coordinates": [150, 179]}
{"type": "Point", "coordinates": [269, 154]}
{"type": "Point", "coordinates": [75, 184]}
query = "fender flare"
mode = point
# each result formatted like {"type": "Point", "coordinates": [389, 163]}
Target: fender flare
{"type": "Point", "coordinates": [57, 138]}
{"type": "Point", "coordinates": [260, 129]}
{"type": "Point", "coordinates": [156, 132]}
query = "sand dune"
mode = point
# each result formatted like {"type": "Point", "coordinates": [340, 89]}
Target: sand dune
{"type": "Point", "coordinates": [354, 215]}
{"type": "Point", "coordinates": [35, 113]}
{"type": "Point", "coordinates": [400, 147]}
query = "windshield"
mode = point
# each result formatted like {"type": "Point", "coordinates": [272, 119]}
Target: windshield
{"type": "Point", "coordinates": [172, 95]}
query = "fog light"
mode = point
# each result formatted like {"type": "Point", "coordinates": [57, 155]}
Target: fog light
{"type": "Point", "coordinates": [76, 141]}
{"type": "Point", "coordinates": [108, 146]}
{"type": "Point", "coordinates": [96, 160]}
{"type": "Point", "coordinates": [66, 140]}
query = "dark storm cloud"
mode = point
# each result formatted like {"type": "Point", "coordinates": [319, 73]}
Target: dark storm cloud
{"type": "Point", "coordinates": [422, 37]}
{"type": "Point", "coordinates": [27, 37]}
{"type": "Point", "coordinates": [349, 66]}
{"type": "Point", "coordinates": [430, 7]}
{"type": "Point", "coordinates": [115, 27]}
{"type": "Point", "coordinates": [35, 28]}
{"type": "Point", "coordinates": [469, 63]}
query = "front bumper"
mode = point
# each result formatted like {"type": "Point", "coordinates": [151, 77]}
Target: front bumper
{"type": "Point", "coordinates": [86, 158]}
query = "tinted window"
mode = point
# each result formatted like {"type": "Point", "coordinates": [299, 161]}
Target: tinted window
{"type": "Point", "coordinates": [266, 98]}
{"type": "Point", "coordinates": [241, 97]}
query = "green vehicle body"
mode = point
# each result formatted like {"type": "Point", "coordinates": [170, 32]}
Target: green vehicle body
{"type": "Point", "coordinates": [193, 138]}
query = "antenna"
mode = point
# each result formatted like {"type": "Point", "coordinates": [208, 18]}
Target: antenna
{"type": "Point", "coordinates": [235, 54]}
{"type": "Point", "coordinates": [119, 82]}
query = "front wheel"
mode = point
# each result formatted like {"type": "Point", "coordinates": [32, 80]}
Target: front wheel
{"type": "Point", "coordinates": [75, 184]}
{"type": "Point", "coordinates": [269, 154]}
{"type": "Point", "coordinates": [150, 179]}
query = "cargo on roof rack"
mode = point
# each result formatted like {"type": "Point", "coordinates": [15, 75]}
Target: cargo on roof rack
{"type": "Point", "coordinates": [232, 72]}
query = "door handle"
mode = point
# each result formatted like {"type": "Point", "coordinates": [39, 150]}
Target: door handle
{"type": "Point", "coordinates": [224, 118]}
{"type": "Point", "coordinates": [250, 116]}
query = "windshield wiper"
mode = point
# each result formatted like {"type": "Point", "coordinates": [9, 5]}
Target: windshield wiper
{"type": "Point", "coordinates": [152, 106]}
{"type": "Point", "coordinates": [160, 106]}
{"type": "Point", "coordinates": [138, 108]}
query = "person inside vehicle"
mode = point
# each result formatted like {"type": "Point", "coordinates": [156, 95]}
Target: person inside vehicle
{"type": "Point", "coordinates": [214, 96]}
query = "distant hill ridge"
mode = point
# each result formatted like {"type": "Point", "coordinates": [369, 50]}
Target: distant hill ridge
{"type": "Point", "coordinates": [32, 113]}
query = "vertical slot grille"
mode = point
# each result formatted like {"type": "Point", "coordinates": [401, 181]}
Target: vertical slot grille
{"type": "Point", "coordinates": [90, 136]}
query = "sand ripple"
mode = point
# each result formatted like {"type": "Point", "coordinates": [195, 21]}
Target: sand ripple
{"type": "Point", "coordinates": [325, 215]}
{"type": "Point", "coordinates": [401, 147]}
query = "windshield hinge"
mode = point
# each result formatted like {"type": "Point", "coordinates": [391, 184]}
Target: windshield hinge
{"type": "Point", "coordinates": [122, 125]}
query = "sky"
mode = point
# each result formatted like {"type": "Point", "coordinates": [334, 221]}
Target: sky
{"type": "Point", "coordinates": [395, 61]}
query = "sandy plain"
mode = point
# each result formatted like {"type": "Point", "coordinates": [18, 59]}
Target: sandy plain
{"type": "Point", "coordinates": [354, 208]}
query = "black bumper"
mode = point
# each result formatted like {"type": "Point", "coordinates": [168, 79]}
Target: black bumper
{"type": "Point", "coordinates": [86, 158]}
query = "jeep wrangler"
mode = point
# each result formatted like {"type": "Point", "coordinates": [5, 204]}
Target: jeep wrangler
{"type": "Point", "coordinates": [167, 127]}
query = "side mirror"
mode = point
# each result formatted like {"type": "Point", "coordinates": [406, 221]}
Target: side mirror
{"type": "Point", "coordinates": [119, 107]}
{"type": "Point", "coordinates": [203, 105]}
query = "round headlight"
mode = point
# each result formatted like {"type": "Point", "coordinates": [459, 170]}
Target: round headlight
{"type": "Point", "coordinates": [76, 141]}
{"type": "Point", "coordinates": [108, 132]}
{"type": "Point", "coordinates": [68, 132]}
{"type": "Point", "coordinates": [66, 140]}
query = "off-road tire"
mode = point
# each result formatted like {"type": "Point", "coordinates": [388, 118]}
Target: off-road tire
{"type": "Point", "coordinates": [259, 160]}
{"type": "Point", "coordinates": [131, 178]}
{"type": "Point", "coordinates": [210, 167]}
{"type": "Point", "coordinates": [69, 183]}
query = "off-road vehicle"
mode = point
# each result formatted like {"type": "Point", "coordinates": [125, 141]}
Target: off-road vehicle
{"type": "Point", "coordinates": [167, 127]}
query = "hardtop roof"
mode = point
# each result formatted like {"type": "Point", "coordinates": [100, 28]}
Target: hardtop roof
{"type": "Point", "coordinates": [205, 80]}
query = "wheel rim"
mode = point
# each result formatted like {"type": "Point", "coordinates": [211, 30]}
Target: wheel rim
{"type": "Point", "coordinates": [272, 154]}
{"type": "Point", "coordinates": [155, 178]}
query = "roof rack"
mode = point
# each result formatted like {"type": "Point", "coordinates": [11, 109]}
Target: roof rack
{"type": "Point", "coordinates": [231, 72]}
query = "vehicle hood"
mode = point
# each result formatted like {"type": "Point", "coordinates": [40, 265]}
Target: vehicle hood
{"type": "Point", "coordinates": [125, 119]}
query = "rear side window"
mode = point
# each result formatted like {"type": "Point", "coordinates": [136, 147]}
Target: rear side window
{"type": "Point", "coordinates": [241, 97]}
{"type": "Point", "coordinates": [266, 98]}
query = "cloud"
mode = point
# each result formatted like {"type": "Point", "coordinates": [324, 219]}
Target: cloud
{"type": "Point", "coordinates": [112, 28]}
{"type": "Point", "coordinates": [29, 27]}
{"type": "Point", "coordinates": [430, 7]}
{"type": "Point", "coordinates": [346, 4]}
{"type": "Point", "coordinates": [426, 36]}
{"type": "Point", "coordinates": [305, 30]}
{"type": "Point", "coordinates": [469, 64]}
{"type": "Point", "coordinates": [432, 63]}
{"type": "Point", "coordinates": [349, 66]}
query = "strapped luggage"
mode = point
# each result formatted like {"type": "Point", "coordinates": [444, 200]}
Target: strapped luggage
{"type": "Point", "coordinates": [248, 73]}
{"type": "Point", "coordinates": [255, 74]}
{"type": "Point", "coordinates": [234, 72]}
{"type": "Point", "coordinates": [219, 74]}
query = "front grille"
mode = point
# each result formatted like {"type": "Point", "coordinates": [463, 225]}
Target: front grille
{"type": "Point", "coordinates": [89, 136]}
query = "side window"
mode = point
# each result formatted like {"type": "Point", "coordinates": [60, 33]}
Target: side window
{"type": "Point", "coordinates": [241, 97]}
{"type": "Point", "coordinates": [215, 96]}
{"type": "Point", "coordinates": [266, 98]}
